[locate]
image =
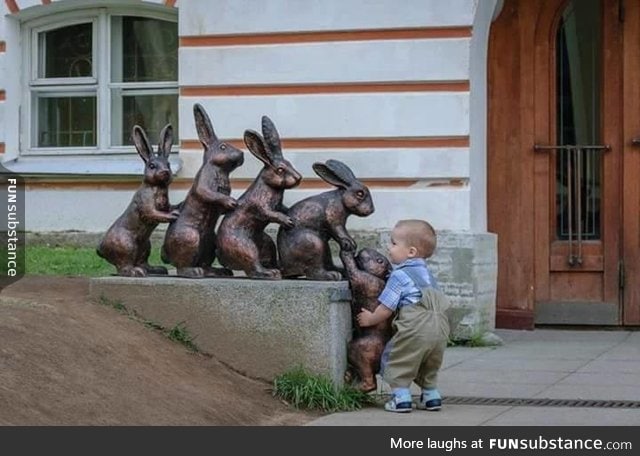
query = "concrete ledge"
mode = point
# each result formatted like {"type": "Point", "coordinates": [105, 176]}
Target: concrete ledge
{"type": "Point", "coordinates": [261, 328]}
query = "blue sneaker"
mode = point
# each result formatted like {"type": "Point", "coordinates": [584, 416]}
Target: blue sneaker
{"type": "Point", "coordinates": [430, 400]}
{"type": "Point", "coordinates": [398, 407]}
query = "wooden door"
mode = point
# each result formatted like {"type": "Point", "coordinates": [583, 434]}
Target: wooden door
{"type": "Point", "coordinates": [631, 163]}
{"type": "Point", "coordinates": [564, 199]}
{"type": "Point", "coordinates": [576, 164]}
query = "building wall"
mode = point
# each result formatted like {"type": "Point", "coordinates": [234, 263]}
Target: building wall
{"type": "Point", "coordinates": [394, 89]}
{"type": "Point", "coordinates": [383, 86]}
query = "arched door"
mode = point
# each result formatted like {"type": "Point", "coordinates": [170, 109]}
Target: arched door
{"type": "Point", "coordinates": [563, 194]}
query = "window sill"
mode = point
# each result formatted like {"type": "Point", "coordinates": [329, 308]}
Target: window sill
{"type": "Point", "coordinates": [83, 166]}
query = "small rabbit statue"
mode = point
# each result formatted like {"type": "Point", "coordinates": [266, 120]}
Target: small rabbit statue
{"type": "Point", "coordinates": [367, 274]}
{"type": "Point", "coordinates": [242, 242]}
{"type": "Point", "coordinates": [304, 249]}
{"type": "Point", "coordinates": [126, 244]}
{"type": "Point", "coordinates": [190, 241]}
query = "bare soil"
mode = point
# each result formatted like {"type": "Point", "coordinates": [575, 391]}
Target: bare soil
{"type": "Point", "coordinates": [65, 360]}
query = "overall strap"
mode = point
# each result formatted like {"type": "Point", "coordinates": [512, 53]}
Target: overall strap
{"type": "Point", "coordinates": [414, 274]}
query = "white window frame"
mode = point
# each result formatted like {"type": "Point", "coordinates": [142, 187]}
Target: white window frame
{"type": "Point", "coordinates": [100, 83]}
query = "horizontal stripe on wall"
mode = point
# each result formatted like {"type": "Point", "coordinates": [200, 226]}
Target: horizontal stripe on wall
{"type": "Point", "coordinates": [12, 6]}
{"type": "Point", "coordinates": [225, 17]}
{"type": "Point", "coordinates": [389, 61]}
{"type": "Point", "coordinates": [453, 86]}
{"type": "Point", "coordinates": [341, 115]}
{"type": "Point", "coordinates": [329, 143]}
{"type": "Point", "coordinates": [236, 184]}
{"type": "Point", "coordinates": [325, 37]}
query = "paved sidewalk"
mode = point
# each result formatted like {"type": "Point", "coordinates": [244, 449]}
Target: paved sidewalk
{"type": "Point", "coordinates": [545, 363]}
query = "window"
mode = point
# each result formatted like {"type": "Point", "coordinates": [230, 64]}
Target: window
{"type": "Point", "coordinates": [93, 75]}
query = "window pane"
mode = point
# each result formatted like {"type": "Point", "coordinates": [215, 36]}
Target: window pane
{"type": "Point", "coordinates": [151, 112]}
{"type": "Point", "coordinates": [66, 52]}
{"type": "Point", "coordinates": [578, 78]}
{"type": "Point", "coordinates": [149, 50]}
{"type": "Point", "coordinates": [67, 122]}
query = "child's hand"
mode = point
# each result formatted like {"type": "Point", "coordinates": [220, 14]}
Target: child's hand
{"type": "Point", "coordinates": [364, 318]}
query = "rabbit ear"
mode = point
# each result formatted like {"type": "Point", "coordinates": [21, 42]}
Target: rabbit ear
{"type": "Point", "coordinates": [257, 147]}
{"type": "Point", "coordinates": [203, 125]}
{"type": "Point", "coordinates": [334, 172]}
{"type": "Point", "coordinates": [271, 136]}
{"type": "Point", "coordinates": [142, 143]}
{"type": "Point", "coordinates": [166, 141]}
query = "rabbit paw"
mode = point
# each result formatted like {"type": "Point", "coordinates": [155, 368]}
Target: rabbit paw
{"type": "Point", "coordinates": [193, 273]}
{"type": "Point", "coordinates": [348, 377]}
{"type": "Point", "coordinates": [266, 274]}
{"type": "Point", "coordinates": [230, 204]}
{"type": "Point", "coordinates": [325, 275]}
{"type": "Point", "coordinates": [367, 386]}
{"type": "Point", "coordinates": [218, 272]}
{"type": "Point", "coordinates": [347, 244]}
{"type": "Point", "coordinates": [132, 271]}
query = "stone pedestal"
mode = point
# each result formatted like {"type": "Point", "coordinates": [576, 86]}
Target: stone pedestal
{"type": "Point", "coordinates": [260, 328]}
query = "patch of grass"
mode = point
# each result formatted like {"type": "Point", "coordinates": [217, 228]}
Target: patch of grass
{"type": "Point", "coordinates": [180, 334]}
{"type": "Point", "coordinates": [116, 304]}
{"type": "Point", "coordinates": [72, 261]}
{"type": "Point", "coordinates": [475, 340]}
{"type": "Point", "coordinates": [306, 390]}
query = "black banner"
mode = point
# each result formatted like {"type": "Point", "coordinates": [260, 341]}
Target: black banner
{"type": "Point", "coordinates": [328, 441]}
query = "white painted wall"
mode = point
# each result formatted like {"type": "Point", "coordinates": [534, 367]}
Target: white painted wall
{"type": "Point", "coordinates": [23, 4]}
{"type": "Point", "coordinates": [11, 82]}
{"type": "Point", "coordinates": [425, 164]}
{"type": "Point", "coordinates": [224, 17]}
{"type": "Point", "coordinates": [374, 115]}
{"type": "Point", "coordinates": [350, 62]}
{"type": "Point", "coordinates": [484, 13]}
{"type": "Point", "coordinates": [89, 210]}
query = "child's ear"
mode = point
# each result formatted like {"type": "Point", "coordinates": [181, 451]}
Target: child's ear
{"type": "Point", "coordinates": [413, 252]}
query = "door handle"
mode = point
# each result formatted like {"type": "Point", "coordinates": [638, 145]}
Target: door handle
{"type": "Point", "coordinates": [635, 142]}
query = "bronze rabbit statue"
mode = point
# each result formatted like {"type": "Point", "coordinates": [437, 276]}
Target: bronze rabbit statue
{"type": "Point", "coordinates": [190, 241]}
{"type": "Point", "coordinates": [126, 243]}
{"type": "Point", "coordinates": [304, 250]}
{"type": "Point", "coordinates": [367, 274]}
{"type": "Point", "coordinates": [242, 242]}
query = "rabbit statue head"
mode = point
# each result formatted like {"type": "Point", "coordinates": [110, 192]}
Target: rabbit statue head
{"type": "Point", "coordinates": [278, 172]}
{"type": "Point", "coordinates": [157, 170]}
{"type": "Point", "coordinates": [216, 151]}
{"type": "Point", "coordinates": [355, 196]}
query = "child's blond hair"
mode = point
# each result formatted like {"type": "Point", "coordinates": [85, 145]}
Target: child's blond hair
{"type": "Point", "coordinates": [420, 235]}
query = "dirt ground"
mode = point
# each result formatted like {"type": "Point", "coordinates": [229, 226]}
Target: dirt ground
{"type": "Point", "coordinates": [65, 360]}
